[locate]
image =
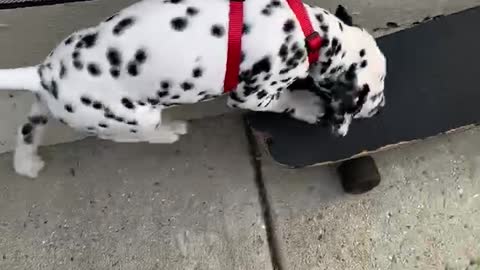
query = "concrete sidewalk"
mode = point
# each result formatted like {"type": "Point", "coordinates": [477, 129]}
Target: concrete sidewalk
{"type": "Point", "coordinates": [425, 214]}
{"type": "Point", "coordinates": [100, 205]}
{"type": "Point", "coordinates": [195, 205]}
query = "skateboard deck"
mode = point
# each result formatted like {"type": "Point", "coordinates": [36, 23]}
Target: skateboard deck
{"type": "Point", "coordinates": [432, 87]}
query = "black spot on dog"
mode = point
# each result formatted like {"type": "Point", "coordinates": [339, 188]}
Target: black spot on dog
{"type": "Point", "coordinates": [86, 101]}
{"type": "Point", "coordinates": [127, 103]}
{"type": "Point", "coordinates": [114, 57]}
{"type": "Point", "coordinates": [197, 72]}
{"type": "Point", "coordinates": [76, 54]}
{"type": "Point", "coordinates": [261, 94]}
{"type": "Point", "coordinates": [69, 40]}
{"type": "Point", "coordinates": [179, 23]}
{"type": "Point", "coordinates": [141, 103]}
{"type": "Point", "coordinates": [273, 83]}
{"type": "Point", "coordinates": [264, 65]}
{"type": "Point", "coordinates": [153, 101]}
{"type": "Point", "coordinates": [28, 139]}
{"type": "Point", "coordinates": [283, 52]}
{"type": "Point", "coordinates": [186, 86]}
{"type": "Point", "coordinates": [266, 11]}
{"type": "Point", "coordinates": [350, 74]}
{"type": "Point", "coordinates": [38, 120]}
{"type": "Point", "coordinates": [338, 49]}
{"type": "Point", "coordinates": [276, 3]}
{"type": "Point", "coordinates": [362, 52]}
{"type": "Point", "coordinates": [289, 26]}
{"type": "Point", "coordinates": [132, 69]}
{"type": "Point", "coordinates": [27, 129]}
{"type": "Point", "coordinates": [217, 30]}
{"type": "Point", "coordinates": [89, 40]}
{"type": "Point", "coordinates": [234, 96]}
{"type": "Point", "coordinates": [319, 17]}
{"type": "Point", "coordinates": [80, 44]}
{"type": "Point", "coordinates": [94, 69]}
{"type": "Point", "coordinates": [246, 29]}
{"type": "Point", "coordinates": [324, 28]}
{"type": "Point", "coordinates": [119, 119]}
{"type": "Point", "coordinates": [63, 70]}
{"type": "Point", "coordinates": [103, 125]}
{"type": "Point", "coordinates": [54, 89]}
{"type": "Point", "coordinates": [363, 63]}
{"type": "Point", "coordinates": [326, 43]}
{"type": "Point", "coordinates": [69, 108]}
{"type": "Point", "coordinates": [162, 94]}
{"type": "Point", "coordinates": [341, 26]}
{"type": "Point", "coordinates": [175, 97]}
{"type": "Point", "coordinates": [192, 11]}
{"type": "Point", "coordinates": [123, 25]}
{"type": "Point", "coordinates": [109, 115]}
{"type": "Point", "coordinates": [284, 71]}
{"type": "Point", "coordinates": [250, 90]}
{"type": "Point", "coordinates": [97, 105]}
{"type": "Point", "coordinates": [334, 42]}
{"type": "Point", "coordinates": [165, 85]}
{"type": "Point", "coordinates": [78, 64]}
{"type": "Point", "coordinates": [329, 53]}
{"type": "Point", "coordinates": [133, 131]}
{"type": "Point", "coordinates": [175, 1]}
{"type": "Point", "coordinates": [141, 56]}
{"type": "Point", "coordinates": [115, 72]}
{"type": "Point", "coordinates": [132, 123]}
{"type": "Point", "coordinates": [201, 93]}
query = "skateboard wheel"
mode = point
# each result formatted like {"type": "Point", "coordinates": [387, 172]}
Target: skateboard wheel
{"type": "Point", "coordinates": [359, 175]}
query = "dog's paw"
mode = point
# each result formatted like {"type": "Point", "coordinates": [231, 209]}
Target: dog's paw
{"type": "Point", "coordinates": [179, 127]}
{"type": "Point", "coordinates": [342, 129]}
{"type": "Point", "coordinates": [28, 165]}
{"type": "Point", "coordinates": [306, 106]}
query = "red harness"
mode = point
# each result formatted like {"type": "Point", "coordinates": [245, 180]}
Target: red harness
{"type": "Point", "coordinates": [313, 41]}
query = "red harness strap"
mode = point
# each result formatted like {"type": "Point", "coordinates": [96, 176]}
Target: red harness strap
{"type": "Point", "coordinates": [234, 53]}
{"type": "Point", "coordinates": [313, 41]}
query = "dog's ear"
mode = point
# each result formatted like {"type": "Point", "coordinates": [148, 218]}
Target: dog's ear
{"type": "Point", "coordinates": [343, 15]}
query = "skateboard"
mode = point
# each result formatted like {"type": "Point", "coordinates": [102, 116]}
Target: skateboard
{"type": "Point", "coordinates": [432, 88]}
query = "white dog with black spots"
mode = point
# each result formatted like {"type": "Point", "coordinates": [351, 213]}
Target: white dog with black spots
{"type": "Point", "coordinates": [114, 79]}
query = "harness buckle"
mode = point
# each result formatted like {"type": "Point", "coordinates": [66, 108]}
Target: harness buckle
{"type": "Point", "coordinates": [313, 42]}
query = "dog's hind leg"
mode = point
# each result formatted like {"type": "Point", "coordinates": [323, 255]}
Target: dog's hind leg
{"type": "Point", "coordinates": [149, 127]}
{"type": "Point", "coordinates": [26, 160]}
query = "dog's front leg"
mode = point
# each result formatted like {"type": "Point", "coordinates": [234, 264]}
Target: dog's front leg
{"type": "Point", "coordinates": [302, 105]}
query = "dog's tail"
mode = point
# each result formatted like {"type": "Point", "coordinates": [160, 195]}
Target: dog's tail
{"type": "Point", "coordinates": [25, 78]}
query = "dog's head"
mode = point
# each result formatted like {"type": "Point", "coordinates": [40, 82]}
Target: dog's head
{"type": "Point", "coordinates": [350, 72]}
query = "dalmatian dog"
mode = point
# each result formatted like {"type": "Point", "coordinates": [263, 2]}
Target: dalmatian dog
{"type": "Point", "coordinates": [114, 79]}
